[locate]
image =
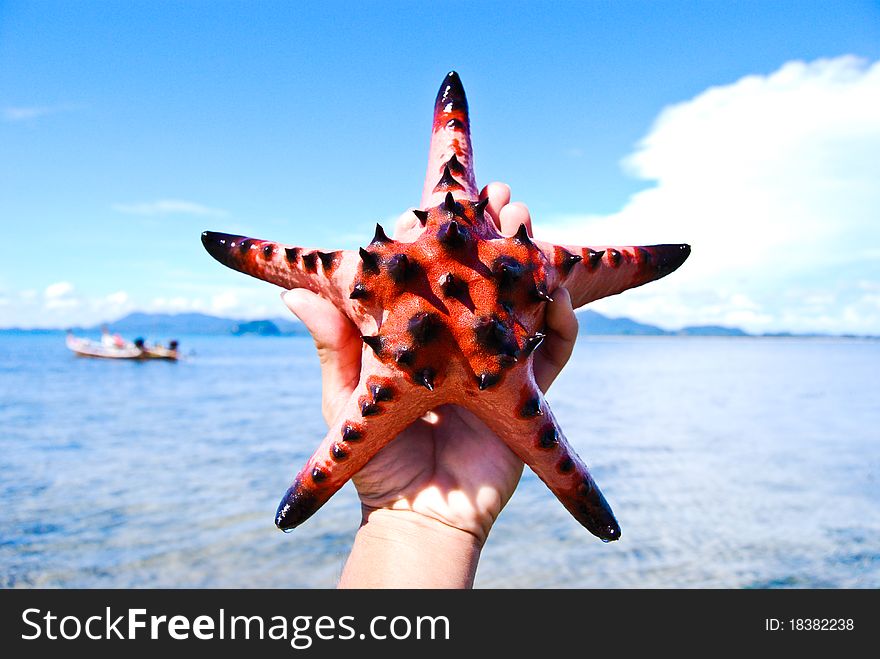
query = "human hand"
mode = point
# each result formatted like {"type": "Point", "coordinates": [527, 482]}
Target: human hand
{"type": "Point", "coordinates": [447, 468]}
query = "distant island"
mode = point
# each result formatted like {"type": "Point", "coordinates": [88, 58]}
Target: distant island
{"type": "Point", "coordinates": [164, 326]}
{"type": "Point", "coordinates": [596, 324]}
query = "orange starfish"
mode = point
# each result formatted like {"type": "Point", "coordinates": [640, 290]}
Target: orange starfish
{"type": "Point", "coordinates": [450, 312]}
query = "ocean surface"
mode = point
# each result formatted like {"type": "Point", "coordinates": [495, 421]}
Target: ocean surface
{"type": "Point", "coordinates": [730, 463]}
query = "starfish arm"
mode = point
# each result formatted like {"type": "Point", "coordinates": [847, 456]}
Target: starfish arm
{"type": "Point", "coordinates": [532, 433]}
{"type": "Point", "coordinates": [327, 273]}
{"type": "Point", "coordinates": [450, 157]}
{"type": "Point", "coordinates": [591, 273]}
{"type": "Point", "coordinates": [378, 410]}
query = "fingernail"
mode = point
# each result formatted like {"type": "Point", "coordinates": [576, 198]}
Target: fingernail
{"type": "Point", "coordinates": [289, 299]}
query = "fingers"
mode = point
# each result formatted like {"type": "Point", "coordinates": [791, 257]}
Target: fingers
{"type": "Point", "coordinates": [337, 342]}
{"type": "Point", "coordinates": [499, 196]}
{"type": "Point", "coordinates": [405, 223]}
{"type": "Point", "coordinates": [512, 216]}
{"type": "Point", "coordinates": [562, 332]}
{"type": "Point", "coordinates": [507, 216]}
{"type": "Point", "coordinates": [327, 325]}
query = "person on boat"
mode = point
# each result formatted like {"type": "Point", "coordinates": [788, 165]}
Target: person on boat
{"type": "Point", "coordinates": [111, 340]}
{"type": "Point", "coordinates": [139, 344]}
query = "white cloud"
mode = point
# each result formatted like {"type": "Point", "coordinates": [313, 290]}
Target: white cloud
{"type": "Point", "coordinates": [33, 112]}
{"type": "Point", "coordinates": [115, 304]}
{"type": "Point", "coordinates": [169, 207]}
{"type": "Point", "coordinates": [58, 290]}
{"type": "Point", "coordinates": [59, 296]}
{"type": "Point", "coordinates": [62, 304]}
{"type": "Point", "coordinates": [224, 302]}
{"type": "Point", "coordinates": [119, 298]}
{"type": "Point", "coordinates": [246, 302]}
{"type": "Point", "coordinates": [177, 304]}
{"type": "Point", "coordinates": [774, 182]}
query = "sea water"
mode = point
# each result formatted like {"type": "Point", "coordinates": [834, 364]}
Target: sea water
{"type": "Point", "coordinates": [730, 462]}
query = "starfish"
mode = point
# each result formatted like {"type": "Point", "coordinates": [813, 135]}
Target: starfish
{"type": "Point", "coordinates": [450, 311]}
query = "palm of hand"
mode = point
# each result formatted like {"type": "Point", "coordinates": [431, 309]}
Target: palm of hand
{"type": "Point", "coordinates": [451, 468]}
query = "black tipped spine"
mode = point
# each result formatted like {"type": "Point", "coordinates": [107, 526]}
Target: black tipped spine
{"type": "Point", "coordinates": [350, 433]}
{"type": "Point", "coordinates": [452, 236]}
{"type": "Point", "coordinates": [531, 408]}
{"type": "Point", "coordinates": [380, 237]}
{"type": "Point", "coordinates": [569, 260]}
{"type": "Point", "coordinates": [328, 260]}
{"type": "Point", "coordinates": [507, 271]}
{"type": "Point", "coordinates": [375, 342]}
{"type": "Point", "coordinates": [447, 181]}
{"type": "Point", "coordinates": [369, 409]}
{"type": "Point", "coordinates": [310, 262]}
{"type": "Point", "coordinates": [421, 327]}
{"type": "Point", "coordinates": [405, 357]}
{"type": "Point", "coordinates": [369, 261]}
{"type": "Point", "coordinates": [522, 236]}
{"type": "Point", "coordinates": [452, 286]}
{"type": "Point", "coordinates": [358, 292]}
{"type": "Point", "coordinates": [496, 336]}
{"type": "Point", "coordinates": [532, 343]}
{"type": "Point", "coordinates": [455, 166]}
{"type": "Point", "coordinates": [426, 379]}
{"type": "Point", "coordinates": [486, 380]}
{"type": "Point", "coordinates": [548, 438]}
{"type": "Point", "coordinates": [541, 293]}
{"type": "Point", "coordinates": [399, 267]}
{"type": "Point", "coordinates": [380, 393]}
{"type": "Point", "coordinates": [507, 360]}
{"type": "Point", "coordinates": [449, 203]}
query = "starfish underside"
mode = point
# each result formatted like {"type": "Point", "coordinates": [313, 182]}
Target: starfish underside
{"type": "Point", "coordinates": [450, 311]}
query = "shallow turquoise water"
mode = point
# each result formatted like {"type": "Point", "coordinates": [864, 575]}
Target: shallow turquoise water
{"type": "Point", "coordinates": [729, 463]}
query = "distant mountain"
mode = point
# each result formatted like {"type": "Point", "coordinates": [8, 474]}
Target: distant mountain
{"type": "Point", "coordinates": [260, 327]}
{"type": "Point", "coordinates": [596, 324]}
{"type": "Point", "coordinates": [711, 330]}
{"type": "Point", "coordinates": [169, 325]}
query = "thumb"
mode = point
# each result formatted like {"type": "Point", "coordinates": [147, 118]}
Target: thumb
{"type": "Point", "coordinates": [562, 332]}
{"type": "Point", "coordinates": [337, 341]}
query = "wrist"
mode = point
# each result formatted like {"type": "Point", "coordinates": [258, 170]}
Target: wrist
{"type": "Point", "coordinates": [406, 549]}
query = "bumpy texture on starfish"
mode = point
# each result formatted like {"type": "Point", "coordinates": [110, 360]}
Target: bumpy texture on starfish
{"type": "Point", "coordinates": [450, 312]}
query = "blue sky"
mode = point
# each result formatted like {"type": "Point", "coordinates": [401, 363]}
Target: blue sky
{"type": "Point", "coordinates": [749, 129]}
